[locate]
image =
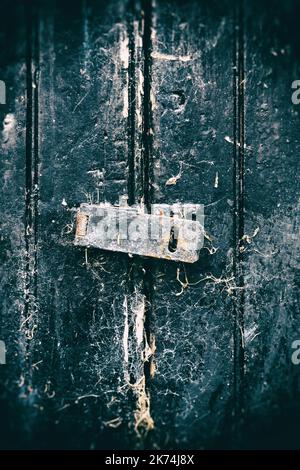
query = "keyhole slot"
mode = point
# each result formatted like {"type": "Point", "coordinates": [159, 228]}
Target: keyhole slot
{"type": "Point", "coordinates": [173, 240]}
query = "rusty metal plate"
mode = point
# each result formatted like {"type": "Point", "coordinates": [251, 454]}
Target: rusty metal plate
{"type": "Point", "coordinates": [168, 232]}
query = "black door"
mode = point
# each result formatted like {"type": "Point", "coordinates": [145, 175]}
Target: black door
{"type": "Point", "coordinates": [191, 102]}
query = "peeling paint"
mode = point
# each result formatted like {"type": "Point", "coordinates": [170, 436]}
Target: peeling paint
{"type": "Point", "coordinates": [125, 102]}
{"type": "Point", "coordinates": [124, 49]}
{"type": "Point", "coordinates": [139, 312]}
{"type": "Point", "coordinates": [143, 420]}
{"type": "Point", "coordinates": [140, 94]}
{"type": "Point", "coordinates": [9, 130]}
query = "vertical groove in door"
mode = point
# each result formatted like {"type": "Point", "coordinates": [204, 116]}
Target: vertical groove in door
{"type": "Point", "coordinates": [147, 170]}
{"type": "Point", "coordinates": [131, 106]}
{"type": "Point", "coordinates": [147, 118]}
{"type": "Point", "coordinates": [138, 184]}
{"type": "Point", "coordinates": [238, 223]}
{"type": "Point", "coordinates": [32, 160]}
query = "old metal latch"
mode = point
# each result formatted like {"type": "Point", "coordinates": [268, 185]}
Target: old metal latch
{"type": "Point", "coordinates": [174, 232]}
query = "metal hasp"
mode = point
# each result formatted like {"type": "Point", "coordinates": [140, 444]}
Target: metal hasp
{"type": "Point", "coordinates": [174, 232]}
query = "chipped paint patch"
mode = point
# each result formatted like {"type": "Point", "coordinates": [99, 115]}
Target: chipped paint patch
{"type": "Point", "coordinates": [216, 183]}
{"type": "Point", "coordinates": [140, 94]}
{"type": "Point", "coordinates": [126, 330]}
{"type": "Point", "coordinates": [124, 57]}
{"type": "Point", "coordinates": [250, 334]}
{"type": "Point", "coordinates": [138, 36]}
{"type": "Point", "coordinates": [153, 100]}
{"type": "Point", "coordinates": [9, 130]}
{"type": "Point", "coordinates": [160, 56]}
{"type": "Point", "coordinates": [124, 49]}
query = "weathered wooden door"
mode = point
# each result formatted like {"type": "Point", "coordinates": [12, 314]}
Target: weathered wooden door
{"type": "Point", "coordinates": [164, 101]}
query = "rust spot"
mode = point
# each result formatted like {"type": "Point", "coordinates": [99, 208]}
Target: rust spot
{"type": "Point", "coordinates": [81, 224]}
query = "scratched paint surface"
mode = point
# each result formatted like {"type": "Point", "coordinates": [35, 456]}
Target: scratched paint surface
{"type": "Point", "coordinates": [166, 102]}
